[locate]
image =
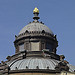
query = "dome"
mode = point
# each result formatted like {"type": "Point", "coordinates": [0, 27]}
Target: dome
{"type": "Point", "coordinates": [35, 26]}
{"type": "Point", "coordinates": [36, 63]}
{"type": "Point", "coordinates": [33, 62]}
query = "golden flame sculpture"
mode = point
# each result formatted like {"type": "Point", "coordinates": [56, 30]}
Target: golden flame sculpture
{"type": "Point", "coordinates": [36, 10]}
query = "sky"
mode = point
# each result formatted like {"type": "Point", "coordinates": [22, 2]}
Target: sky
{"type": "Point", "coordinates": [58, 15]}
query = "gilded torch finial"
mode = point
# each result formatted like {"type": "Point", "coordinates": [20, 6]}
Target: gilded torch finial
{"type": "Point", "coordinates": [36, 13]}
{"type": "Point", "coordinates": [36, 10]}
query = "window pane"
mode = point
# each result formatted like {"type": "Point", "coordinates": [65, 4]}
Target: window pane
{"type": "Point", "coordinates": [27, 46]}
{"type": "Point", "coordinates": [43, 46]}
{"type": "Point", "coordinates": [21, 47]}
{"type": "Point", "coordinates": [49, 46]}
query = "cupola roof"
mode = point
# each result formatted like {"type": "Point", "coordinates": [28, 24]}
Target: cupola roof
{"type": "Point", "coordinates": [36, 25]}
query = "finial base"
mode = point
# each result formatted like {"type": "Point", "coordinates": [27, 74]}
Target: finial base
{"type": "Point", "coordinates": [36, 16]}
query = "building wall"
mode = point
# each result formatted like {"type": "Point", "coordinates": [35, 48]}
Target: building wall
{"type": "Point", "coordinates": [34, 74]}
{"type": "Point", "coordinates": [67, 73]}
{"type": "Point", "coordinates": [35, 46]}
{"type": "Point", "coordinates": [62, 73]}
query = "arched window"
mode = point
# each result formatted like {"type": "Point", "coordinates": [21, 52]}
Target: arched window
{"type": "Point", "coordinates": [43, 31]}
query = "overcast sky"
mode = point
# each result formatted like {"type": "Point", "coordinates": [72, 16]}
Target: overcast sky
{"type": "Point", "coordinates": [58, 15]}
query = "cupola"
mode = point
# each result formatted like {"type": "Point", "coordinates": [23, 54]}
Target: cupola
{"type": "Point", "coordinates": [36, 36]}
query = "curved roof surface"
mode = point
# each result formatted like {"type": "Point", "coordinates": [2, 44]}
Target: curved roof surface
{"type": "Point", "coordinates": [35, 26]}
{"type": "Point", "coordinates": [32, 63]}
